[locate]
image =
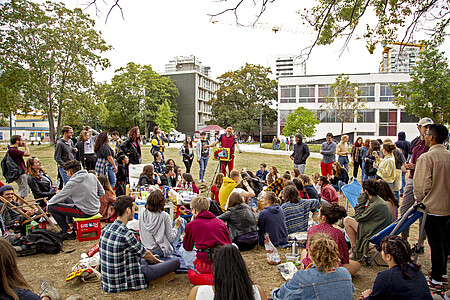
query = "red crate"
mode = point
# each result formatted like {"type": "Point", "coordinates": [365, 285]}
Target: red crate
{"type": "Point", "coordinates": [88, 230]}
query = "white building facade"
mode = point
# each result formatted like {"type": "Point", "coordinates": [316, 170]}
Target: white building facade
{"type": "Point", "coordinates": [379, 119]}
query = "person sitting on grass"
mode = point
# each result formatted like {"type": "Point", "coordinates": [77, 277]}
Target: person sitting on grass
{"type": "Point", "coordinates": [403, 279]}
{"type": "Point", "coordinates": [80, 198]}
{"type": "Point", "coordinates": [148, 177]}
{"type": "Point", "coordinates": [245, 189]}
{"type": "Point", "coordinates": [296, 210]}
{"type": "Point", "coordinates": [231, 279]}
{"type": "Point", "coordinates": [241, 222]}
{"type": "Point", "coordinates": [309, 187]}
{"type": "Point", "coordinates": [324, 279]}
{"type": "Point", "coordinates": [273, 175]}
{"type": "Point", "coordinates": [205, 232]}
{"type": "Point", "coordinates": [215, 188]}
{"type": "Point", "coordinates": [328, 192]}
{"type": "Point", "coordinates": [339, 177]}
{"type": "Point", "coordinates": [125, 264]}
{"type": "Point", "coordinates": [371, 216]}
{"type": "Point", "coordinates": [228, 185]}
{"type": "Point", "coordinates": [329, 214]}
{"type": "Point", "coordinates": [272, 221]}
{"type": "Point", "coordinates": [262, 173]}
{"type": "Point", "coordinates": [301, 190]}
{"type": "Point", "coordinates": [155, 226]}
{"type": "Point", "coordinates": [278, 185]}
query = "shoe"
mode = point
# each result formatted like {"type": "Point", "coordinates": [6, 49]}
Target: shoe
{"type": "Point", "coordinates": [435, 287]}
{"type": "Point", "coordinates": [444, 278]}
{"type": "Point", "coordinates": [420, 251]}
{"type": "Point", "coordinates": [48, 290]}
{"type": "Point", "coordinates": [67, 236]}
{"type": "Point", "coordinates": [163, 279]}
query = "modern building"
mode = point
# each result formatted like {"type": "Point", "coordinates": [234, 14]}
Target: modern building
{"type": "Point", "coordinates": [286, 65]}
{"type": "Point", "coordinates": [400, 57]}
{"type": "Point", "coordinates": [379, 119]}
{"type": "Point", "coordinates": [32, 127]}
{"type": "Point", "coordinates": [196, 89]}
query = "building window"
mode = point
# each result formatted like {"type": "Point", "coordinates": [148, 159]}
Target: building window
{"type": "Point", "coordinates": [287, 94]}
{"type": "Point", "coordinates": [367, 92]}
{"type": "Point", "coordinates": [199, 119]}
{"type": "Point", "coordinates": [327, 116]}
{"type": "Point", "coordinates": [388, 122]}
{"type": "Point", "coordinates": [1, 136]}
{"type": "Point", "coordinates": [33, 125]}
{"type": "Point", "coordinates": [407, 118]}
{"type": "Point", "coordinates": [386, 92]}
{"type": "Point", "coordinates": [283, 116]}
{"type": "Point", "coordinates": [366, 116]}
{"type": "Point", "coordinates": [307, 94]}
{"type": "Point", "coordinates": [323, 92]}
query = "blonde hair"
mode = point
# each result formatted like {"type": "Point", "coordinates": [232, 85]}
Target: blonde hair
{"type": "Point", "coordinates": [324, 252]}
{"type": "Point", "coordinates": [272, 198]}
{"type": "Point", "coordinates": [234, 174]}
{"type": "Point", "coordinates": [315, 177]}
{"type": "Point", "coordinates": [306, 180]}
{"type": "Point", "coordinates": [200, 203]}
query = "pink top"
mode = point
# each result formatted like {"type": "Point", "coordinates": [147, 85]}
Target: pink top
{"type": "Point", "coordinates": [215, 192]}
{"type": "Point", "coordinates": [337, 236]}
{"type": "Point", "coordinates": [329, 194]}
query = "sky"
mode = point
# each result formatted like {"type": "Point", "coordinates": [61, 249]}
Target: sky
{"type": "Point", "coordinates": [154, 32]}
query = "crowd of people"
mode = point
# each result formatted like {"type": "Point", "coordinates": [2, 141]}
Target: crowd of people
{"type": "Point", "coordinates": [242, 209]}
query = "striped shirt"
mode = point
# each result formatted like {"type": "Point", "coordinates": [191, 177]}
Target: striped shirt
{"type": "Point", "coordinates": [297, 214]}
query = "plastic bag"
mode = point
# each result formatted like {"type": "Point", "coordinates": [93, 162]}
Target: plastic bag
{"type": "Point", "coordinates": [287, 270]}
{"type": "Point", "coordinates": [273, 257]}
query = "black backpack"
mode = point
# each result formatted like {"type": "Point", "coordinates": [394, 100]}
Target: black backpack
{"type": "Point", "coordinates": [39, 241]}
{"type": "Point", "coordinates": [11, 171]}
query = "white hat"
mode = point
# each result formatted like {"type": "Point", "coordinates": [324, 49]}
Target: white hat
{"type": "Point", "coordinates": [425, 122]}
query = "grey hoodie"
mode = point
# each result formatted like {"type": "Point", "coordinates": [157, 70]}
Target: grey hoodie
{"type": "Point", "coordinates": [156, 232]}
{"type": "Point", "coordinates": [85, 191]}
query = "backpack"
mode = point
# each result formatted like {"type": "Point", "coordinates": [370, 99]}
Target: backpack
{"type": "Point", "coordinates": [39, 241]}
{"type": "Point", "coordinates": [11, 171]}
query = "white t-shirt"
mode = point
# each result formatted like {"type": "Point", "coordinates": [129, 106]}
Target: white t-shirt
{"type": "Point", "coordinates": [237, 190]}
{"type": "Point", "coordinates": [206, 292]}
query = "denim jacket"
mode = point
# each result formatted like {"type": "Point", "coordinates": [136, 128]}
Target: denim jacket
{"type": "Point", "coordinates": [313, 284]}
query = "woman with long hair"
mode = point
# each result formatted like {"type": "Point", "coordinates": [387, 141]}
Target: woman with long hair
{"type": "Point", "coordinates": [339, 176]}
{"type": "Point", "coordinates": [364, 149]}
{"type": "Point", "coordinates": [328, 192]}
{"type": "Point", "coordinates": [187, 179]}
{"type": "Point", "coordinates": [231, 279]}
{"type": "Point", "coordinates": [39, 182]}
{"type": "Point", "coordinates": [385, 192]}
{"type": "Point", "coordinates": [322, 280]}
{"type": "Point", "coordinates": [295, 173]}
{"type": "Point", "coordinates": [148, 176]}
{"type": "Point", "coordinates": [177, 175]}
{"type": "Point", "coordinates": [13, 285]}
{"type": "Point", "coordinates": [403, 279]}
{"type": "Point", "coordinates": [308, 187]}
{"type": "Point", "coordinates": [131, 146]}
{"type": "Point", "coordinates": [329, 215]}
{"type": "Point", "coordinates": [386, 166]}
{"type": "Point", "coordinates": [107, 200]}
{"type": "Point", "coordinates": [187, 152]}
{"type": "Point", "coordinates": [158, 139]}
{"type": "Point", "coordinates": [370, 158]}
{"type": "Point", "coordinates": [273, 175]}
{"type": "Point", "coordinates": [106, 164]}
{"type": "Point", "coordinates": [216, 187]}
{"type": "Point", "coordinates": [356, 156]}
{"type": "Point", "coordinates": [85, 146]}
{"type": "Point", "coordinates": [272, 220]}
{"type": "Point", "coordinates": [241, 222]}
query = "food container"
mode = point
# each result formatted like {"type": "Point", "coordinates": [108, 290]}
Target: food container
{"type": "Point", "coordinates": [292, 257]}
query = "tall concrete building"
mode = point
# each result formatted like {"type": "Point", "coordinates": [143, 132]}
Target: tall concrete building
{"type": "Point", "coordinates": [286, 65]}
{"type": "Point", "coordinates": [196, 88]}
{"type": "Point", "coordinates": [400, 57]}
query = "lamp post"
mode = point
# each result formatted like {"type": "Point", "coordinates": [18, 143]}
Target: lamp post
{"type": "Point", "coordinates": [260, 128]}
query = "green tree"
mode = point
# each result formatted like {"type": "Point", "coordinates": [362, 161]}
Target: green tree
{"type": "Point", "coordinates": [301, 121]}
{"type": "Point", "coordinates": [343, 101]}
{"type": "Point", "coordinates": [164, 118]}
{"type": "Point", "coordinates": [55, 50]}
{"type": "Point", "coordinates": [241, 96]}
{"type": "Point", "coordinates": [134, 96]}
{"type": "Point", "coordinates": [428, 92]}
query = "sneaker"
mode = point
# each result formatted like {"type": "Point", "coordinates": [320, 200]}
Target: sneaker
{"type": "Point", "coordinates": [48, 290]}
{"type": "Point", "coordinates": [68, 236]}
{"type": "Point", "coordinates": [444, 278]}
{"type": "Point", "coordinates": [435, 287]}
{"type": "Point", "coordinates": [163, 279]}
{"type": "Point", "coordinates": [420, 251]}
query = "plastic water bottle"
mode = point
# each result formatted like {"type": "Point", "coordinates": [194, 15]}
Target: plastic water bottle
{"type": "Point", "coordinates": [17, 229]}
{"type": "Point", "coordinates": [190, 187]}
{"type": "Point", "coordinates": [57, 183]}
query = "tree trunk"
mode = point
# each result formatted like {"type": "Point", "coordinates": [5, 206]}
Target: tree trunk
{"type": "Point", "coordinates": [51, 126]}
{"type": "Point", "coordinates": [342, 128]}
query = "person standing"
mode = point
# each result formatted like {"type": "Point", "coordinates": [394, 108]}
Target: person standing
{"type": "Point", "coordinates": [274, 143]}
{"type": "Point", "coordinates": [431, 185]}
{"type": "Point", "coordinates": [227, 140]}
{"type": "Point", "coordinates": [187, 152]}
{"type": "Point", "coordinates": [405, 146]}
{"type": "Point", "coordinates": [85, 147]}
{"type": "Point", "coordinates": [106, 165]}
{"type": "Point", "coordinates": [328, 151]}
{"type": "Point", "coordinates": [342, 152]}
{"type": "Point", "coordinates": [357, 156]}
{"type": "Point", "coordinates": [117, 142]}
{"type": "Point", "coordinates": [158, 140]}
{"type": "Point", "coordinates": [202, 155]}
{"type": "Point", "coordinates": [131, 146]}
{"type": "Point", "coordinates": [17, 156]}
{"type": "Point", "coordinates": [287, 144]}
{"type": "Point", "coordinates": [300, 154]}
{"type": "Point", "coordinates": [418, 147]}
{"type": "Point", "coordinates": [64, 151]}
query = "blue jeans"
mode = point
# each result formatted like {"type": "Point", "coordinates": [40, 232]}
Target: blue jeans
{"type": "Point", "coordinates": [343, 161]}
{"type": "Point", "coordinates": [403, 182]}
{"type": "Point", "coordinates": [188, 257]}
{"type": "Point", "coordinates": [338, 186]}
{"type": "Point", "coordinates": [111, 175]}
{"type": "Point", "coordinates": [154, 271]}
{"type": "Point", "coordinates": [64, 175]}
{"type": "Point", "coordinates": [274, 146]}
{"type": "Point", "coordinates": [253, 202]}
{"type": "Point", "coordinates": [203, 163]}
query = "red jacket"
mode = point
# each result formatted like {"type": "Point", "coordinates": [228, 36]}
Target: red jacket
{"type": "Point", "coordinates": [206, 231]}
{"type": "Point", "coordinates": [329, 194]}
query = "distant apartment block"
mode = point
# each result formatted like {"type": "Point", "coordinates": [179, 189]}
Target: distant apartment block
{"type": "Point", "coordinates": [32, 127]}
{"type": "Point", "coordinates": [400, 57]}
{"type": "Point", "coordinates": [286, 65]}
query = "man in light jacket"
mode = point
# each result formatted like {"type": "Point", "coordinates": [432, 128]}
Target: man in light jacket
{"type": "Point", "coordinates": [300, 154]}
{"type": "Point", "coordinates": [203, 154]}
{"type": "Point", "coordinates": [80, 198]}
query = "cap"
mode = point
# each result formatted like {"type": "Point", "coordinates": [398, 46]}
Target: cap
{"type": "Point", "coordinates": [425, 122]}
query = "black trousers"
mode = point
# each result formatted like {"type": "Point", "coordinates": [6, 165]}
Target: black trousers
{"type": "Point", "coordinates": [436, 229]}
{"type": "Point", "coordinates": [188, 164]}
{"type": "Point", "coordinates": [245, 246]}
{"type": "Point", "coordinates": [356, 166]}
{"type": "Point", "coordinates": [90, 160]}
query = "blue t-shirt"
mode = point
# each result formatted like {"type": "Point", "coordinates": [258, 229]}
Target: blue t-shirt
{"type": "Point", "coordinates": [262, 175]}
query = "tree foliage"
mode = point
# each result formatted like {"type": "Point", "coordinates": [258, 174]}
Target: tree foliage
{"type": "Point", "coordinates": [53, 52]}
{"type": "Point", "coordinates": [241, 96]}
{"type": "Point", "coordinates": [301, 121]}
{"type": "Point", "coordinates": [343, 101]}
{"type": "Point", "coordinates": [134, 96]}
{"type": "Point", "coordinates": [428, 92]}
{"type": "Point", "coordinates": [164, 118]}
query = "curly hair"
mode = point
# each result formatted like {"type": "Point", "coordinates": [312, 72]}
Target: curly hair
{"type": "Point", "coordinates": [324, 252]}
{"type": "Point", "coordinates": [333, 212]}
{"type": "Point", "coordinates": [31, 171]}
{"type": "Point", "coordinates": [400, 250]}
{"type": "Point", "coordinates": [101, 139]}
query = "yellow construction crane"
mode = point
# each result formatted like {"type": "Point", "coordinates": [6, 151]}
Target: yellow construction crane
{"type": "Point", "coordinates": [387, 48]}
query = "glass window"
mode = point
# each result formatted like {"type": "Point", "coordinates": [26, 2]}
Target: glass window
{"type": "Point", "coordinates": [367, 92]}
{"type": "Point", "coordinates": [324, 91]}
{"type": "Point", "coordinates": [283, 116]}
{"type": "Point", "coordinates": [364, 133]}
{"type": "Point", "coordinates": [366, 116]}
{"type": "Point", "coordinates": [307, 94]}
{"type": "Point", "coordinates": [407, 118]}
{"type": "Point", "coordinates": [388, 122]}
{"type": "Point", "coordinates": [386, 92]}
{"type": "Point", "coordinates": [287, 94]}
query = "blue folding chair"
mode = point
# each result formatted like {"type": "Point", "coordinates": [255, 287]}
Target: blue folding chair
{"type": "Point", "coordinates": [411, 216]}
{"type": "Point", "coordinates": [352, 192]}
